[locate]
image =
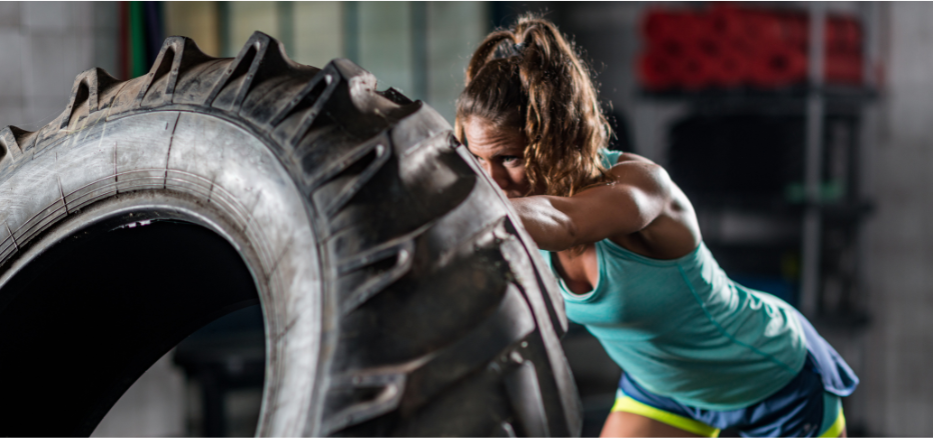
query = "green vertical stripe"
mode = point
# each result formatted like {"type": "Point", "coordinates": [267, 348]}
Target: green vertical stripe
{"type": "Point", "coordinates": [223, 29]}
{"type": "Point", "coordinates": [286, 24]}
{"type": "Point", "coordinates": [138, 65]}
{"type": "Point", "coordinates": [351, 31]}
{"type": "Point", "coordinates": [419, 50]}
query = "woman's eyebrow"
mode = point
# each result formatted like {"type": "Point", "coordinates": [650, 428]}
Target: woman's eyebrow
{"type": "Point", "coordinates": [512, 150]}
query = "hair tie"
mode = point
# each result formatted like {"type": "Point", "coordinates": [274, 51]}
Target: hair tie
{"type": "Point", "coordinates": [505, 50]}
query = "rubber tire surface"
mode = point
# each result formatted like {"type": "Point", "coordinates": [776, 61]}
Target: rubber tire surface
{"type": "Point", "coordinates": [399, 294]}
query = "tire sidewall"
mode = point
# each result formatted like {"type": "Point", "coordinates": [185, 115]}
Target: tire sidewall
{"type": "Point", "coordinates": [202, 169]}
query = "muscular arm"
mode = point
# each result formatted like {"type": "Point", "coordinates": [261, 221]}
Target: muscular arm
{"type": "Point", "coordinates": [641, 192]}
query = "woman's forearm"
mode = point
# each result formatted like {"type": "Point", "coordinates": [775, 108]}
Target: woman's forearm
{"type": "Point", "coordinates": [549, 227]}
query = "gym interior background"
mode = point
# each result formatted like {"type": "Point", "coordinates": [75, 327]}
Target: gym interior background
{"type": "Point", "coordinates": [814, 187]}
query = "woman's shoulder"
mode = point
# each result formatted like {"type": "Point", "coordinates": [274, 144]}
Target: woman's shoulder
{"type": "Point", "coordinates": [673, 231]}
{"type": "Point", "coordinates": [627, 157]}
{"type": "Point", "coordinates": [636, 170]}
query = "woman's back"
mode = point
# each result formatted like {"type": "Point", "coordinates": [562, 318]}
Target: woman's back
{"type": "Point", "coordinates": [681, 328]}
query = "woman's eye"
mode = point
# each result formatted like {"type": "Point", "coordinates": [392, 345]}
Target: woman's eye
{"type": "Point", "coordinates": [510, 159]}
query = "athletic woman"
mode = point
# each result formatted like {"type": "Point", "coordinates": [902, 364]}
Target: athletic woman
{"type": "Point", "coordinates": [700, 353]}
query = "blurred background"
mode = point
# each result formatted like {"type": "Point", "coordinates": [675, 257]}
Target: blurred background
{"type": "Point", "coordinates": [808, 159]}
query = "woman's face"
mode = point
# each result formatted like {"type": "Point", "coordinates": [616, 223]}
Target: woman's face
{"type": "Point", "coordinates": [501, 152]}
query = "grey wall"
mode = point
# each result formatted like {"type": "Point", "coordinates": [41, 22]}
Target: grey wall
{"type": "Point", "coordinates": [43, 46]}
{"type": "Point", "coordinates": [900, 236]}
{"type": "Point", "coordinates": [156, 405]}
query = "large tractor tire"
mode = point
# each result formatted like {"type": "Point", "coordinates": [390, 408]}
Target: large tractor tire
{"type": "Point", "coordinates": [400, 294]}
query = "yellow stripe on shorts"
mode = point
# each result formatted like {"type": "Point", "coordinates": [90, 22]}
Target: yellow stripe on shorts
{"type": "Point", "coordinates": [624, 403]}
{"type": "Point", "coordinates": [837, 426]}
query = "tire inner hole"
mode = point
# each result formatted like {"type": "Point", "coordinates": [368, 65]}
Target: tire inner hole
{"type": "Point", "coordinates": [83, 321]}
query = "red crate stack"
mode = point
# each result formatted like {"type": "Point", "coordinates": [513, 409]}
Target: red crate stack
{"type": "Point", "coordinates": [727, 47]}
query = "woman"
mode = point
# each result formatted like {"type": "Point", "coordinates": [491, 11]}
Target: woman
{"type": "Point", "coordinates": [699, 352]}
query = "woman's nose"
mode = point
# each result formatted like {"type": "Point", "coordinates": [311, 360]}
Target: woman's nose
{"type": "Point", "coordinates": [500, 176]}
{"type": "Point", "coordinates": [497, 173]}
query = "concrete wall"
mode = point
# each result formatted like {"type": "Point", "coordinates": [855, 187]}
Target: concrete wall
{"type": "Point", "coordinates": [195, 20]}
{"type": "Point", "coordinates": [156, 405]}
{"type": "Point", "coordinates": [421, 49]}
{"type": "Point", "coordinates": [43, 46]}
{"type": "Point", "coordinates": [900, 238]}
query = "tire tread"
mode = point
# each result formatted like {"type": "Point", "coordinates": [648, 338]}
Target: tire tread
{"type": "Point", "coordinates": [402, 218]}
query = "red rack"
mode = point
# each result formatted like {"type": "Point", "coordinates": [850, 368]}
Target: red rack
{"type": "Point", "coordinates": [726, 47]}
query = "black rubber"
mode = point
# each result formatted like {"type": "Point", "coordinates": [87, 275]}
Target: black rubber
{"type": "Point", "coordinates": [439, 318]}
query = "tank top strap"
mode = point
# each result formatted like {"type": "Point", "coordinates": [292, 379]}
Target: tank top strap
{"type": "Point", "coordinates": [609, 157]}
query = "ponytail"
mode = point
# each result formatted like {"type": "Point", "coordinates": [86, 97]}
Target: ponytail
{"type": "Point", "coordinates": [529, 77]}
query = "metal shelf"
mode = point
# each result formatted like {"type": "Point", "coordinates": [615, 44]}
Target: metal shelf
{"type": "Point", "coordinates": [778, 205]}
{"type": "Point", "coordinates": [795, 93]}
{"type": "Point", "coordinates": [837, 99]}
{"type": "Point", "coordinates": [824, 234]}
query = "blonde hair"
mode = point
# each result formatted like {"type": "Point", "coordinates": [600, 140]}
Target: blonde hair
{"type": "Point", "coordinates": [529, 77]}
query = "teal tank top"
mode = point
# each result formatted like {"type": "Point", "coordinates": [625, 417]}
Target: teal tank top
{"type": "Point", "coordinates": [682, 329]}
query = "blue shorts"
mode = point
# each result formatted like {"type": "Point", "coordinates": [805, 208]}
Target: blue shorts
{"type": "Point", "coordinates": [801, 408]}
{"type": "Point", "coordinates": [809, 405]}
